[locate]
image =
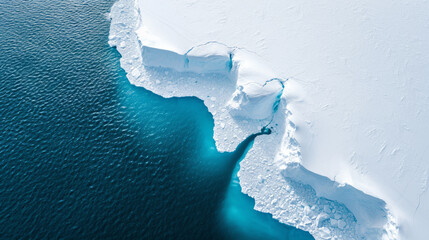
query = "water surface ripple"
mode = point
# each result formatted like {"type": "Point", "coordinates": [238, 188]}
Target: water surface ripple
{"type": "Point", "coordinates": [86, 155]}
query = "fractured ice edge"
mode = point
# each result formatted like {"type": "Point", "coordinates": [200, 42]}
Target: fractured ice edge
{"type": "Point", "coordinates": [243, 94]}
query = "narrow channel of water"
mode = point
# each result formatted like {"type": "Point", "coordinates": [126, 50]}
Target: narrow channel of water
{"type": "Point", "coordinates": [240, 219]}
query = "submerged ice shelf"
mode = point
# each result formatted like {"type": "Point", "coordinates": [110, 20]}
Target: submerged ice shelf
{"type": "Point", "coordinates": [244, 95]}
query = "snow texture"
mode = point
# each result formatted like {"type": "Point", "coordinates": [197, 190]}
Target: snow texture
{"type": "Point", "coordinates": [352, 74]}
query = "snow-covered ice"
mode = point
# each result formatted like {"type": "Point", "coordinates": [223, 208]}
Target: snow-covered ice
{"type": "Point", "coordinates": [342, 84]}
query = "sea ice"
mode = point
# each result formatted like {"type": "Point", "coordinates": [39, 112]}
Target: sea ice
{"type": "Point", "coordinates": [172, 49]}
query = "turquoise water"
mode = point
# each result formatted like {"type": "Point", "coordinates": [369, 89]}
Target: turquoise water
{"type": "Point", "coordinates": [86, 155]}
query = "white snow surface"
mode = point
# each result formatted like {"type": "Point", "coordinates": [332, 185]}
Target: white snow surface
{"type": "Point", "coordinates": [343, 84]}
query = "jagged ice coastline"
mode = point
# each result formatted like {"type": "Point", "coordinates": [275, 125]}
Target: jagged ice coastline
{"type": "Point", "coordinates": [244, 95]}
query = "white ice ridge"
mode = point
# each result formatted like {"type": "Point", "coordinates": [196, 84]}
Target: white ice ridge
{"type": "Point", "coordinates": [244, 94]}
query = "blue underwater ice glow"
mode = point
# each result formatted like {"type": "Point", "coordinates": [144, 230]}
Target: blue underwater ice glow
{"type": "Point", "coordinates": [86, 155]}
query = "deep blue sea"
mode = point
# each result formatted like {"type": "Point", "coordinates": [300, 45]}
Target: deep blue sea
{"type": "Point", "coordinates": [86, 155]}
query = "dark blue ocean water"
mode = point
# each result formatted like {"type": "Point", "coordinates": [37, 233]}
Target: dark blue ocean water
{"type": "Point", "coordinates": [86, 155]}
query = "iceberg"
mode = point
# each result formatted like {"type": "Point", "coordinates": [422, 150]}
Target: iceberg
{"type": "Point", "coordinates": [340, 85]}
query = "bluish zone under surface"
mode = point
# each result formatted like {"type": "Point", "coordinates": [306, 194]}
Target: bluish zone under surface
{"type": "Point", "coordinates": [85, 155]}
